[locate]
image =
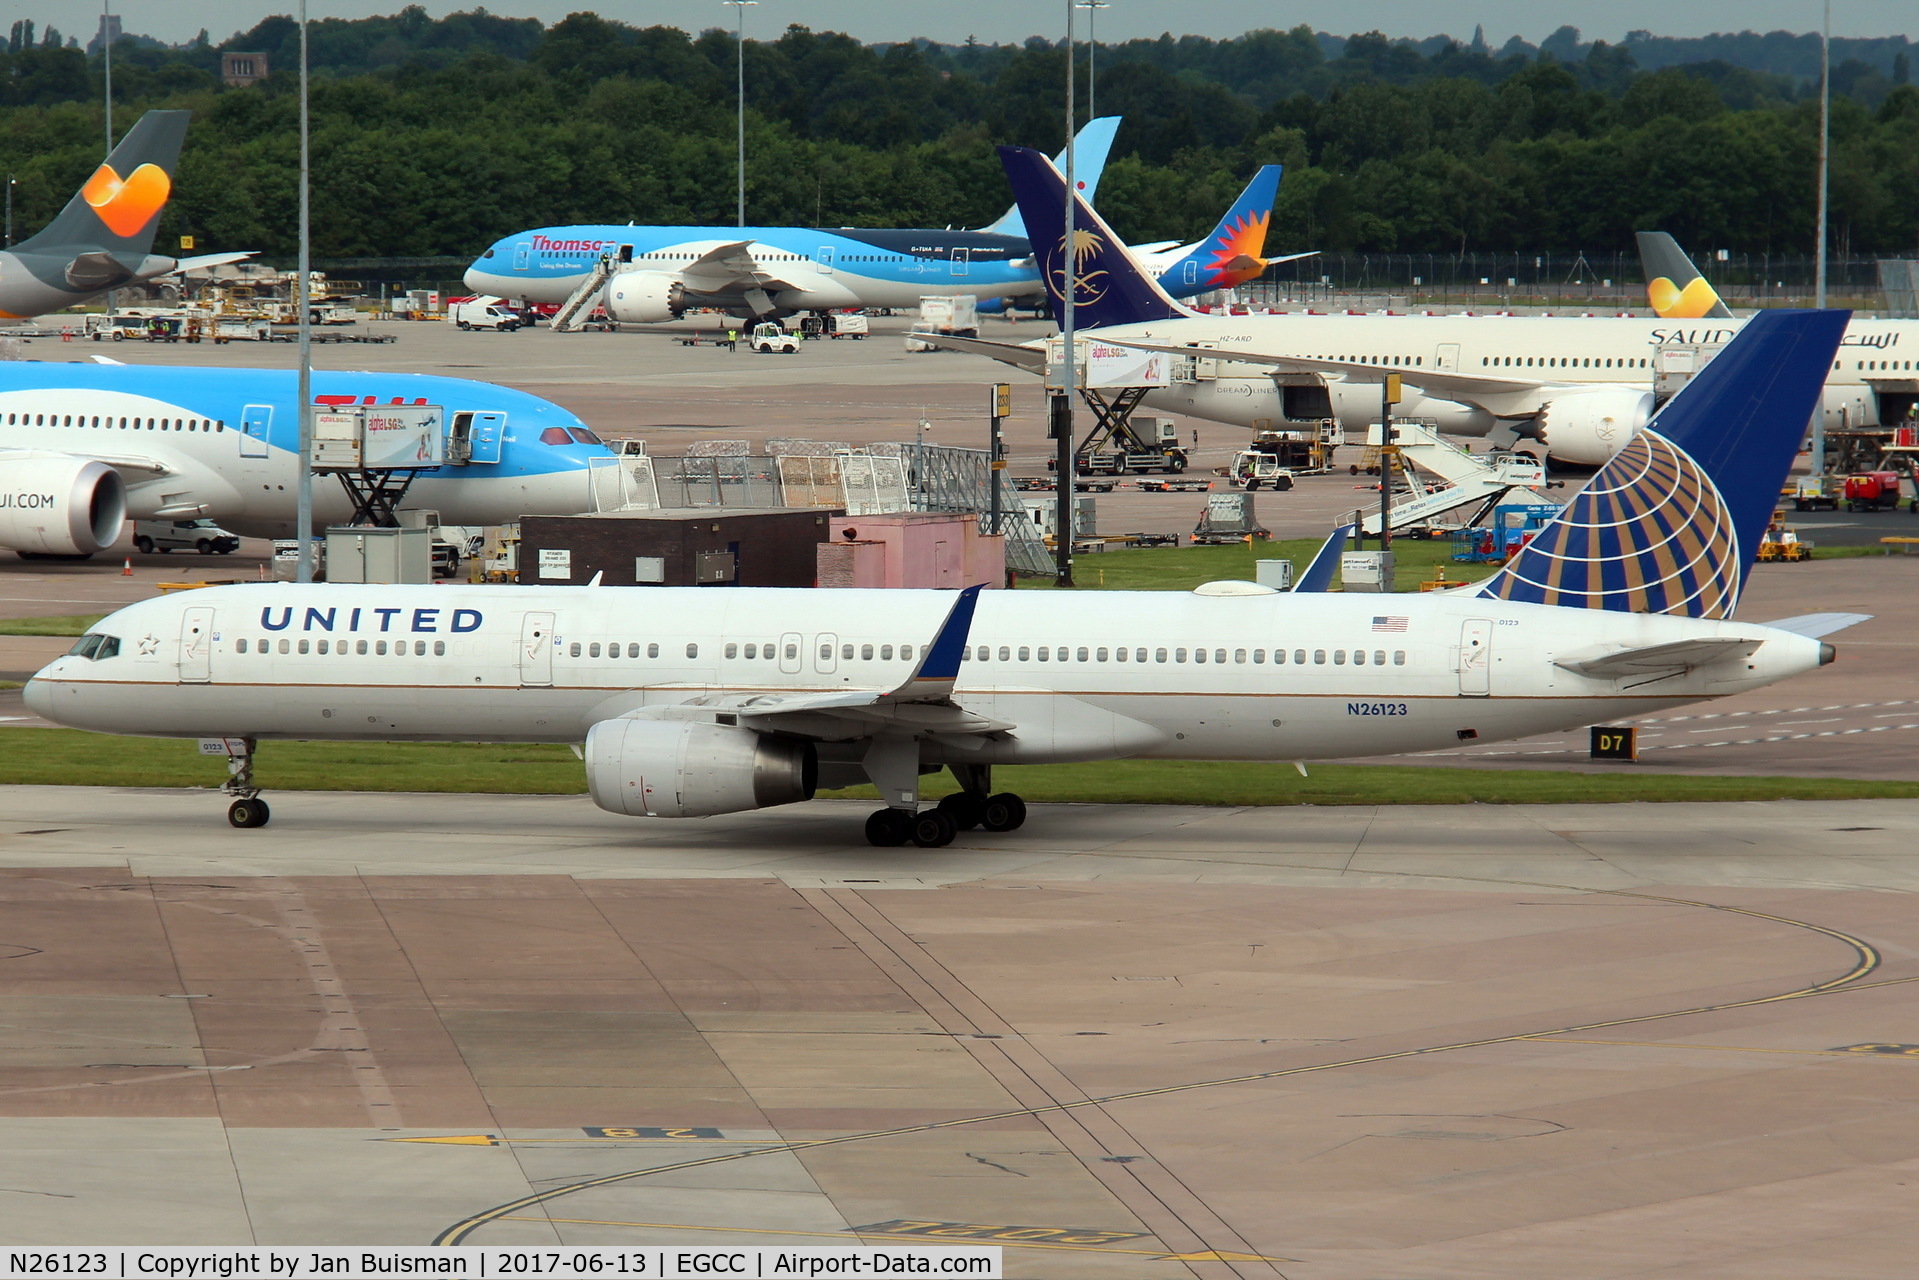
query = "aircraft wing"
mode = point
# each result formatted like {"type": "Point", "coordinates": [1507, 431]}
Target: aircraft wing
{"type": "Point", "coordinates": [148, 467]}
{"type": "Point", "coordinates": [1472, 388]}
{"type": "Point", "coordinates": [1031, 359]}
{"type": "Point", "coordinates": [1663, 658]}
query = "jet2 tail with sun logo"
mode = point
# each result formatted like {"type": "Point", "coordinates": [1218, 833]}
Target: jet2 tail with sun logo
{"type": "Point", "coordinates": [1671, 524]}
{"type": "Point", "coordinates": [1674, 286]}
{"type": "Point", "coordinates": [1233, 254]}
{"type": "Point", "coordinates": [104, 237]}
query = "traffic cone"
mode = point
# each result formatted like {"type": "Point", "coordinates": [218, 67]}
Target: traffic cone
{"type": "Point", "coordinates": [126, 567]}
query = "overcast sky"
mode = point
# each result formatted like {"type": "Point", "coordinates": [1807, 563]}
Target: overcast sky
{"type": "Point", "coordinates": [1004, 20]}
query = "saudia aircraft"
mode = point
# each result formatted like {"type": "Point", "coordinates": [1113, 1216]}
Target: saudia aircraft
{"type": "Point", "coordinates": [1580, 386]}
{"type": "Point", "coordinates": [83, 447]}
{"type": "Point", "coordinates": [101, 240]}
{"type": "Point", "coordinates": [690, 702]}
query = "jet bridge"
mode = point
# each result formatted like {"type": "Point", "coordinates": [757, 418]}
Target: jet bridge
{"type": "Point", "coordinates": [1470, 481]}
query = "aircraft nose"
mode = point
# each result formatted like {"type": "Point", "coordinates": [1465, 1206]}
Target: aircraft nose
{"type": "Point", "coordinates": [38, 696]}
{"type": "Point", "coordinates": [473, 278]}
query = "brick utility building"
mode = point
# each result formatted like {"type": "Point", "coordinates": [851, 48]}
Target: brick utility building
{"type": "Point", "coordinates": [689, 547]}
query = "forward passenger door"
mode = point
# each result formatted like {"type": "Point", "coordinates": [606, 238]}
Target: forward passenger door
{"type": "Point", "coordinates": [196, 646]}
{"type": "Point", "coordinates": [536, 649]}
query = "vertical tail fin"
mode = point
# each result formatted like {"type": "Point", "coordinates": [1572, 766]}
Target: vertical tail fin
{"type": "Point", "coordinates": [118, 209]}
{"type": "Point", "coordinates": [1674, 286]}
{"type": "Point", "coordinates": [1672, 523]}
{"type": "Point", "coordinates": [1090, 147]}
{"type": "Point", "coordinates": [1235, 252]}
{"type": "Point", "coordinates": [1109, 287]}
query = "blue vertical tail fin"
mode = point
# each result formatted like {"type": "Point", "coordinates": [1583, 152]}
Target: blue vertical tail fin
{"type": "Point", "coordinates": [1090, 149]}
{"type": "Point", "coordinates": [1671, 524]}
{"type": "Point", "coordinates": [1109, 286]}
{"type": "Point", "coordinates": [1235, 252]}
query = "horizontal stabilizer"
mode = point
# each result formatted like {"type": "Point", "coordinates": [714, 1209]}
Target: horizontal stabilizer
{"type": "Point", "coordinates": [1653, 658]}
{"type": "Point", "coordinates": [1814, 625]}
{"type": "Point", "coordinates": [208, 260]}
{"type": "Point", "coordinates": [1319, 574]}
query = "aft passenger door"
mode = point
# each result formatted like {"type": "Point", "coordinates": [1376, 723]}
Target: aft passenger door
{"type": "Point", "coordinates": [196, 646]}
{"type": "Point", "coordinates": [536, 649]}
{"type": "Point", "coordinates": [826, 653]}
{"type": "Point", "coordinates": [824, 259]}
{"type": "Point", "coordinates": [1446, 356]}
{"type": "Point", "coordinates": [790, 653]}
{"type": "Point", "coordinates": [256, 424]}
{"type": "Point", "coordinates": [1475, 658]}
{"type": "Point", "coordinates": [960, 259]}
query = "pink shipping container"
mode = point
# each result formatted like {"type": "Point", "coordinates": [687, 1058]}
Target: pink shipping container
{"type": "Point", "coordinates": [910, 549]}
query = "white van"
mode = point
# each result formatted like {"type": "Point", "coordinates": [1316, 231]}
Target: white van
{"type": "Point", "coordinates": [163, 536]}
{"type": "Point", "coordinates": [483, 313]}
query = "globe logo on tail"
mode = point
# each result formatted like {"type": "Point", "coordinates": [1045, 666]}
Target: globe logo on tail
{"type": "Point", "coordinates": [128, 204]}
{"type": "Point", "coordinates": [1649, 534]}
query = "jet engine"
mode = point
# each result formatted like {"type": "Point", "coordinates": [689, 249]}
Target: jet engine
{"type": "Point", "coordinates": [1586, 426]}
{"type": "Point", "coordinates": [691, 769]}
{"type": "Point", "coordinates": [645, 297]}
{"type": "Point", "coordinates": [54, 504]}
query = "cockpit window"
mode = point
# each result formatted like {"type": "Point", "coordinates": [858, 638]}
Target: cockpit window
{"type": "Point", "coordinates": [96, 647]}
{"type": "Point", "coordinates": [487, 254]}
{"type": "Point", "coordinates": [555, 435]}
{"type": "Point", "coordinates": [584, 436]}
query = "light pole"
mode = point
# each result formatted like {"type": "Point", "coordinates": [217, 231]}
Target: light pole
{"type": "Point", "coordinates": [1817, 463]}
{"type": "Point", "coordinates": [10, 183]}
{"type": "Point", "coordinates": [303, 299]}
{"type": "Point", "coordinates": [106, 47]}
{"type": "Point", "coordinates": [1092, 8]}
{"type": "Point", "coordinates": [1063, 406]}
{"type": "Point", "coordinates": [739, 45]}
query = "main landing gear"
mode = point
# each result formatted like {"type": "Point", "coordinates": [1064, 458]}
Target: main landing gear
{"type": "Point", "coordinates": [964, 810]}
{"type": "Point", "coordinates": [248, 809]}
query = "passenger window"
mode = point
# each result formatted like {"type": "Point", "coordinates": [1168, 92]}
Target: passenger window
{"type": "Point", "coordinates": [1199, 655]}
{"type": "Point", "coordinates": [1259, 656]}
{"type": "Point", "coordinates": [593, 650]}
{"type": "Point", "coordinates": [1005, 654]}
{"type": "Point", "coordinates": [1339, 657]}
{"type": "Point", "coordinates": [1025, 654]}
{"type": "Point", "coordinates": [321, 647]}
{"type": "Point", "coordinates": [692, 650]}
{"type": "Point", "coordinates": [1120, 655]}
{"type": "Point", "coordinates": [1044, 653]}
{"type": "Point", "coordinates": [886, 653]}
{"type": "Point", "coordinates": [359, 647]}
{"type": "Point", "coordinates": [1359, 657]}
{"type": "Point", "coordinates": [906, 652]}
{"type": "Point", "coordinates": [1219, 655]}
{"type": "Point", "coordinates": [1159, 655]}
{"type": "Point", "coordinates": [1399, 657]}
{"type": "Point", "coordinates": [752, 650]}
{"type": "Point", "coordinates": [1239, 655]}
{"type": "Point", "coordinates": [379, 648]}
{"type": "Point", "coordinates": [733, 650]}
{"type": "Point", "coordinates": [1319, 657]}
{"type": "Point", "coordinates": [285, 647]}
{"type": "Point", "coordinates": [1139, 655]}
{"type": "Point", "coordinates": [1299, 657]}
{"type": "Point", "coordinates": [575, 650]}
{"type": "Point", "coordinates": [653, 651]}
{"type": "Point", "coordinates": [1379, 655]}
{"type": "Point", "coordinates": [240, 646]}
{"type": "Point", "coordinates": [866, 652]}
{"type": "Point", "coordinates": [1179, 655]}
{"type": "Point", "coordinates": [1101, 655]}
{"type": "Point", "coordinates": [439, 647]}
{"type": "Point", "coordinates": [1082, 652]}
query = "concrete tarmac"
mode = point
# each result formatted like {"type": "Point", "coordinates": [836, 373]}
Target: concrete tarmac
{"type": "Point", "coordinates": [1579, 1041]}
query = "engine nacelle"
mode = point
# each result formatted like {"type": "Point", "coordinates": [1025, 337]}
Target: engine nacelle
{"type": "Point", "coordinates": [691, 769]}
{"type": "Point", "coordinates": [645, 297]}
{"type": "Point", "coordinates": [1588, 425]}
{"type": "Point", "coordinates": [53, 504]}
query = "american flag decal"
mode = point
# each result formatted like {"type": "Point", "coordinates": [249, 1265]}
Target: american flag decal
{"type": "Point", "coordinates": [1389, 624]}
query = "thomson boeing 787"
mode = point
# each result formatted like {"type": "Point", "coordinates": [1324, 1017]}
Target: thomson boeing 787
{"type": "Point", "coordinates": [695, 701]}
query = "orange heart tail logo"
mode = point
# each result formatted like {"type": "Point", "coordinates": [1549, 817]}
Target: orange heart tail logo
{"type": "Point", "coordinates": [127, 205]}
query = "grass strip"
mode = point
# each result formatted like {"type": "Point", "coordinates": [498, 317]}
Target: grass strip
{"type": "Point", "coordinates": [66, 624]}
{"type": "Point", "coordinates": [72, 757]}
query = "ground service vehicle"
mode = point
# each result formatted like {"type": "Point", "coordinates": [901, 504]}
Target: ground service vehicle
{"type": "Point", "coordinates": [483, 313]}
{"type": "Point", "coordinates": [163, 536]}
{"type": "Point", "coordinates": [769, 337]}
{"type": "Point", "coordinates": [1872, 491]}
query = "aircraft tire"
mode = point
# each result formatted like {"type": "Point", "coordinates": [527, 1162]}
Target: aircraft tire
{"type": "Point", "coordinates": [887, 828]}
{"type": "Point", "coordinates": [932, 828]}
{"type": "Point", "coordinates": [1003, 812]}
{"type": "Point", "coordinates": [966, 809]}
{"type": "Point", "coordinates": [248, 813]}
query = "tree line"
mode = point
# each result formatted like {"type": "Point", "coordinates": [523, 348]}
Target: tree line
{"type": "Point", "coordinates": [434, 137]}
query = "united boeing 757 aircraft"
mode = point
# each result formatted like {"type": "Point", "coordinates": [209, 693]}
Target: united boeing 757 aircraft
{"type": "Point", "coordinates": [691, 702]}
{"type": "Point", "coordinates": [83, 447]}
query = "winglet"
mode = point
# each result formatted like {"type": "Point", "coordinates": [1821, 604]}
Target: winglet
{"type": "Point", "coordinates": [940, 663]}
{"type": "Point", "coordinates": [1319, 574]}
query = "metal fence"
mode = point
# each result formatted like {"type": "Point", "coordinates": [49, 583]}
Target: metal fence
{"type": "Point", "coordinates": [1900, 283]}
